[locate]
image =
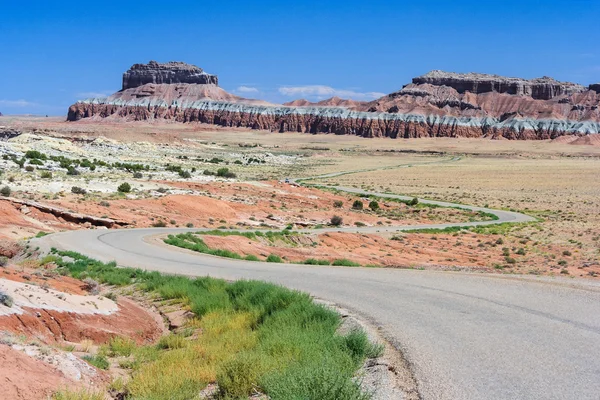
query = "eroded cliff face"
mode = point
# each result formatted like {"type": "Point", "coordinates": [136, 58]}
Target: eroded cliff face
{"type": "Point", "coordinates": [168, 73]}
{"type": "Point", "coordinates": [434, 105]}
{"type": "Point", "coordinates": [544, 88]}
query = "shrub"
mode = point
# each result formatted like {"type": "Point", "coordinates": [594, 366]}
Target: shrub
{"type": "Point", "coordinates": [225, 173]}
{"type": "Point", "coordinates": [336, 220]}
{"type": "Point", "coordinates": [92, 286]}
{"type": "Point", "coordinates": [35, 155]}
{"type": "Point", "coordinates": [521, 251]}
{"type": "Point", "coordinates": [119, 346]}
{"type": "Point", "coordinates": [72, 171]}
{"type": "Point", "coordinates": [251, 257]}
{"type": "Point", "coordinates": [46, 175]}
{"type": "Point", "coordinates": [97, 361]}
{"type": "Point", "coordinates": [185, 174]}
{"type": "Point", "coordinates": [413, 202]}
{"type": "Point", "coordinates": [78, 190]}
{"type": "Point", "coordinates": [510, 260]}
{"type": "Point", "coordinates": [29, 168]}
{"type": "Point", "coordinates": [6, 299]}
{"type": "Point", "coordinates": [104, 203]}
{"type": "Point", "coordinates": [338, 204]}
{"type": "Point", "coordinates": [342, 262]}
{"type": "Point", "coordinates": [314, 261]}
{"type": "Point", "coordinates": [3, 261]}
{"type": "Point", "coordinates": [36, 162]}
{"type": "Point", "coordinates": [159, 224]}
{"type": "Point", "coordinates": [124, 188]}
{"type": "Point", "coordinates": [208, 173]}
{"type": "Point", "coordinates": [5, 191]}
{"type": "Point", "coordinates": [189, 225]}
{"type": "Point", "coordinates": [274, 258]}
{"type": "Point", "coordinates": [138, 175]}
{"type": "Point", "coordinates": [499, 241]}
{"type": "Point", "coordinates": [374, 206]}
{"type": "Point", "coordinates": [357, 205]}
{"type": "Point", "coordinates": [566, 253]}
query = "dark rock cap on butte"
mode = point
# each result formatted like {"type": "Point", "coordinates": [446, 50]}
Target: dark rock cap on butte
{"type": "Point", "coordinates": [171, 72]}
{"type": "Point", "coordinates": [595, 87]}
{"type": "Point", "coordinates": [544, 88]}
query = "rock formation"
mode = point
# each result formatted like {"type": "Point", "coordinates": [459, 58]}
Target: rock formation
{"type": "Point", "coordinates": [436, 104]}
{"type": "Point", "coordinates": [594, 86]}
{"type": "Point", "coordinates": [544, 88]}
{"type": "Point", "coordinates": [169, 73]}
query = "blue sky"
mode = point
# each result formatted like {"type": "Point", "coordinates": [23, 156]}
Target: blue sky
{"type": "Point", "coordinates": [53, 53]}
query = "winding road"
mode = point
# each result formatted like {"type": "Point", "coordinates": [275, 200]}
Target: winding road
{"type": "Point", "coordinates": [465, 336]}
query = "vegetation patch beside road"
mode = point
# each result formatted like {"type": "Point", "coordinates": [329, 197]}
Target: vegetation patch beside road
{"type": "Point", "coordinates": [248, 337]}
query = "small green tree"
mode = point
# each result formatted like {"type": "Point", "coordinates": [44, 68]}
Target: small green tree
{"type": "Point", "coordinates": [5, 191]}
{"type": "Point", "coordinates": [338, 204]}
{"type": "Point", "coordinates": [336, 220]}
{"type": "Point", "coordinates": [413, 202]}
{"type": "Point", "coordinates": [124, 187]}
{"type": "Point", "coordinates": [357, 205]}
{"type": "Point", "coordinates": [373, 205]}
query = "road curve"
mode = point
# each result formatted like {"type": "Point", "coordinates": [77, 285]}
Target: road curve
{"type": "Point", "coordinates": [466, 336]}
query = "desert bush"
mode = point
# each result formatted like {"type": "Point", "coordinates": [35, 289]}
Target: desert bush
{"type": "Point", "coordinates": [5, 299]}
{"type": "Point", "coordinates": [82, 394]}
{"type": "Point", "coordinates": [120, 346]}
{"type": "Point", "coordinates": [413, 202]}
{"type": "Point", "coordinates": [92, 286]}
{"type": "Point", "coordinates": [342, 262]}
{"type": "Point", "coordinates": [104, 203]}
{"type": "Point", "coordinates": [225, 173]}
{"type": "Point", "coordinates": [566, 253]}
{"type": "Point", "coordinates": [336, 220]}
{"type": "Point", "coordinates": [5, 191]}
{"type": "Point", "coordinates": [357, 205]}
{"type": "Point", "coordinates": [185, 174]}
{"type": "Point", "coordinates": [314, 261]}
{"type": "Point", "coordinates": [78, 190]}
{"type": "Point", "coordinates": [373, 205]}
{"type": "Point", "coordinates": [274, 258]}
{"type": "Point", "coordinates": [97, 361]}
{"type": "Point", "coordinates": [35, 155]}
{"type": "Point", "coordinates": [138, 175]}
{"type": "Point", "coordinates": [159, 224]}
{"type": "Point", "coordinates": [3, 261]}
{"type": "Point", "coordinates": [72, 171]}
{"type": "Point", "coordinates": [29, 168]}
{"type": "Point", "coordinates": [338, 204]}
{"type": "Point", "coordinates": [124, 188]}
{"type": "Point", "coordinates": [36, 162]}
{"type": "Point", "coordinates": [46, 175]}
{"type": "Point", "coordinates": [189, 225]}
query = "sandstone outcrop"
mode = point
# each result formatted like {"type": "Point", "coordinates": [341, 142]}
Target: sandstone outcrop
{"type": "Point", "coordinates": [544, 88]}
{"type": "Point", "coordinates": [434, 105]}
{"type": "Point", "coordinates": [168, 73]}
{"type": "Point", "coordinates": [594, 86]}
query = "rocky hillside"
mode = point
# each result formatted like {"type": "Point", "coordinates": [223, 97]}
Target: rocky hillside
{"type": "Point", "coordinates": [435, 104]}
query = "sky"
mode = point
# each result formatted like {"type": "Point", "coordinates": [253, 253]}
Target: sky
{"type": "Point", "coordinates": [54, 53]}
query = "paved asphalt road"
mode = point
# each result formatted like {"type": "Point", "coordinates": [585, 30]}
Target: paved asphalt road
{"type": "Point", "coordinates": [466, 336]}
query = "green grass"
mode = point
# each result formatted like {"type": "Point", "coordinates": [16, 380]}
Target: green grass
{"type": "Point", "coordinates": [274, 258]}
{"type": "Point", "coordinates": [254, 336]}
{"type": "Point", "coordinates": [314, 261]}
{"type": "Point", "coordinates": [342, 262]}
{"type": "Point", "coordinates": [82, 394]}
{"type": "Point", "coordinates": [97, 361]}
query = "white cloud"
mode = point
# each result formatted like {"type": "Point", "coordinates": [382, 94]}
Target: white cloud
{"type": "Point", "coordinates": [246, 89]}
{"type": "Point", "coordinates": [321, 92]}
{"type": "Point", "coordinates": [17, 103]}
{"type": "Point", "coordinates": [87, 95]}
